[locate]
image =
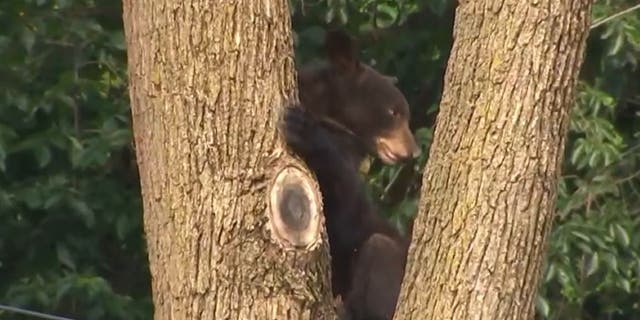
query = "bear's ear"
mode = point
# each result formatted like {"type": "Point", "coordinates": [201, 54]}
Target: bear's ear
{"type": "Point", "coordinates": [341, 51]}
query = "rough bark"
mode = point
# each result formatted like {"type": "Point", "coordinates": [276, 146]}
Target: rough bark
{"type": "Point", "coordinates": [207, 81]}
{"type": "Point", "coordinates": [489, 190]}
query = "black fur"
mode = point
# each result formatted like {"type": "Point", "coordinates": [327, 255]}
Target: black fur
{"type": "Point", "coordinates": [368, 254]}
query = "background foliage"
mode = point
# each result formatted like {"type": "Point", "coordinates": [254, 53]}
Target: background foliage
{"type": "Point", "coordinates": [71, 240]}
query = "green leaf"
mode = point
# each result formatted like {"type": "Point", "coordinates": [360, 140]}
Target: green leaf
{"type": "Point", "coordinates": [342, 14]}
{"type": "Point", "coordinates": [612, 261]}
{"type": "Point", "coordinates": [119, 138]}
{"type": "Point", "coordinates": [593, 160]}
{"type": "Point", "coordinates": [122, 226]}
{"type": "Point", "coordinates": [32, 197]}
{"type": "Point", "coordinates": [28, 39]}
{"type": "Point", "coordinates": [387, 15]}
{"type": "Point", "coordinates": [63, 4]}
{"type": "Point", "coordinates": [84, 211]}
{"type": "Point", "coordinates": [592, 264]}
{"type": "Point", "coordinates": [117, 40]}
{"type": "Point", "coordinates": [43, 155]}
{"type": "Point", "coordinates": [564, 277]}
{"type": "Point", "coordinates": [617, 44]}
{"type": "Point", "coordinates": [551, 272]}
{"type": "Point", "coordinates": [621, 235]}
{"type": "Point", "coordinates": [608, 101]}
{"type": "Point", "coordinates": [75, 142]}
{"type": "Point", "coordinates": [577, 151]}
{"type": "Point", "coordinates": [62, 290]}
{"type": "Point", "coordinates": [584, 247]}
{"type": "Point", "coordinates": [330, 15]}
{"type": "Point", "coordinates": [42, 298]}
{"type": "Point", "coordinates": [581, 235]}
{"type": "Point", "coordinates": [625, 285]}
{"type": "Point", "coordinates": [542, 306]}
{"type": "Point", "coordinates": [64, 256]}
{"type": "Point", "coordinates": [599, 242]}
{"type": "Point", "coordinates": [52, 200]}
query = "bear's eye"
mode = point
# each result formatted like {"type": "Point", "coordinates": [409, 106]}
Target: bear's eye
{"type": "Point", "coordinates": [393, 112]}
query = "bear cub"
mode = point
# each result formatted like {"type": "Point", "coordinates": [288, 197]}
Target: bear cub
{"type": "Point", "coordinates": [348, 110]}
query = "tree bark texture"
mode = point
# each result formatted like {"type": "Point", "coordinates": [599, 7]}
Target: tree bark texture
{"type": "Point", "coordinates": [489, 189]}
{"type": "Point", "coordinates": [207, 81]}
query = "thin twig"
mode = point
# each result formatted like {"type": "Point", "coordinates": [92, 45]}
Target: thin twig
{"type": "Point", "coordinates": [628, 178]}
{"type": "Point", "coordinates": [32, 313]}
{"type": "Point", "coordinates": [392, 182]}
{"type": "Point", "coordinates": [613, 16]}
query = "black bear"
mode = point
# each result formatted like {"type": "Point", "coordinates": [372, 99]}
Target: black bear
{"type": "Point", "coordinates": [347, 110]}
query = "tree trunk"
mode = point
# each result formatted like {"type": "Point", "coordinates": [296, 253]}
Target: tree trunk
{"type": "Point", "coordinates": [489, 190]}
{"type": "Point", "coordinates": [207, 82]}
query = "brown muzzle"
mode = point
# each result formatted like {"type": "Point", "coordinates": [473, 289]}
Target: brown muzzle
{"type": "Point", "coordinates": [397, 145]}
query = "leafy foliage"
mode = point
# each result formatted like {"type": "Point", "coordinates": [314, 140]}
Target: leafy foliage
{"type": "Point", "coordinates": [71, 234]}
{"type": "Point", "coordinates": [69, 199]}
{"type": "Point", "coordinates": [593, 270]}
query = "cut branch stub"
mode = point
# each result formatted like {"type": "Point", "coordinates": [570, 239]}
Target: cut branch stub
{"type": "Point", "coordinates": [295, 208]}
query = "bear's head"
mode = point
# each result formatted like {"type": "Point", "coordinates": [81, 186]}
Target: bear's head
{"type": "Point", "coordinates": [352, 95]}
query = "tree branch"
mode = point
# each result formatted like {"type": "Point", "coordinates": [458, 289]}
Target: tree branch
{"type": "Point", "coordinates": [613, 16]}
